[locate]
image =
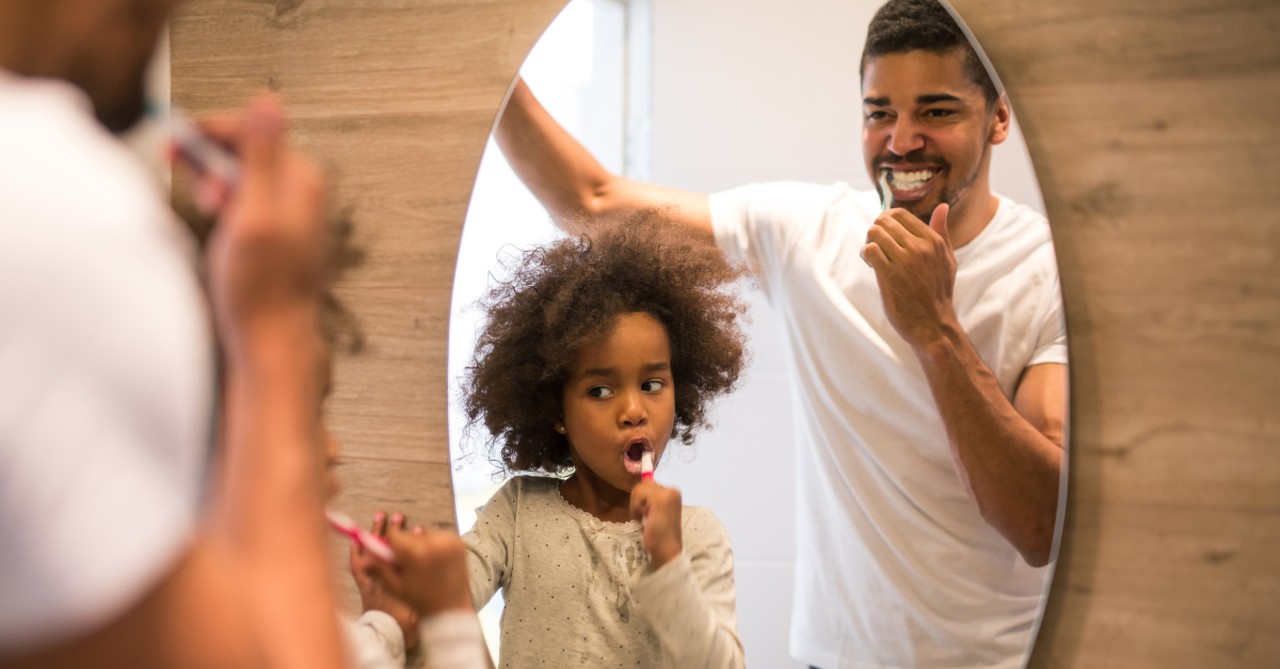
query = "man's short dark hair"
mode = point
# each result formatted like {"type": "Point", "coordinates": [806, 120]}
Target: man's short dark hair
{"type": "Point", "coordinates": [901, 26]}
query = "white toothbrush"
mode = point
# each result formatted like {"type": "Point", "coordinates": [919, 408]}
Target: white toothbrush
{"type": "Point", "coordinates": [200, 152]}
{"type": "Point", "coordinates": [886, 198]}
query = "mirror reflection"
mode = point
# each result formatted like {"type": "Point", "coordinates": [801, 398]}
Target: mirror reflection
{"type": "Point", "coordinates": [888, 470]}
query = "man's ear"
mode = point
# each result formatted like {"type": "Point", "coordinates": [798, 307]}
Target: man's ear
{"type": "Point", "coordinates": [1001, 117]}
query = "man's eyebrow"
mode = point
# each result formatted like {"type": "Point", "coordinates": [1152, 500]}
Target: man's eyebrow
{"type": "Point", "coordinates": [931, 98]}
{"type": "Point", "coordinates": [926, 99]}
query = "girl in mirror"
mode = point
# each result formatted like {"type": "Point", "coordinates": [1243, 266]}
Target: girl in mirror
{"type": "Point", "coordinates": [596, 352]}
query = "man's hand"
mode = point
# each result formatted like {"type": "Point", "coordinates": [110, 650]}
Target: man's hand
{"type": "Point", "coordinates": [269, 250]}
{"type": "Point", "coordinates": [265, 261]}
{"type": "Point", "coordinates": [915, 267]}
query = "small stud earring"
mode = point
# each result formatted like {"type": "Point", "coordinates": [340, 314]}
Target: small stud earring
{"type": "Point", "coordinates": [560, 429]}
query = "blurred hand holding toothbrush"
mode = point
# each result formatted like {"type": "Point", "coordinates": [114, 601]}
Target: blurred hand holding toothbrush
{"type": "Point", "coordinates": [430, 569]}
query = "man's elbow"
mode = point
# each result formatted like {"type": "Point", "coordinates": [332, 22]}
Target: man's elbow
{"type": "Point", "coordinates": [577, 210]}
{"type": "Point", "coordinates": [1033, 541]}
{"type": "Point", "coordinates": [594, 205]}
{"type": "Point", "coordinates": [1037, 556]}
{"type": "Point", "coordinates": [1037, 547]}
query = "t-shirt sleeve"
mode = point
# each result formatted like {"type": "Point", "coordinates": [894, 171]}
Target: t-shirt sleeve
{"type": "Point", "coordinates": [759, 224]}
{"type": "Point", "coordinates": [489, 543]}
{"type": "Point", "coordinates": [1051, 339]}
{"type": "Point", "coordinates": [691, 602]}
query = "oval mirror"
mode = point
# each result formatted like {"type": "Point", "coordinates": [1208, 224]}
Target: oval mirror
{"type": "Point", "coordinates": [707, 96]}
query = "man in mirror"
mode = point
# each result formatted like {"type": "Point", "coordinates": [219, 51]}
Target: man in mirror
{"type": "Point", "coordinates": [926, 344]}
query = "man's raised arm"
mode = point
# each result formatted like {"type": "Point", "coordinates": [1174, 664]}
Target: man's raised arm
{"type": "Point", "coordinates": [571, 183]}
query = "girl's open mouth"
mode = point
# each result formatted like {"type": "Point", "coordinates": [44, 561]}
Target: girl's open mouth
{"type": "Point", "coordinates": [634, 453]}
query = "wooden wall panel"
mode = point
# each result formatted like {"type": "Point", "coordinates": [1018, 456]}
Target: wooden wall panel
{"type": "Point", "coordinates": [1153, 129]}
{"type": "Point", "coordinates": [396, 99]}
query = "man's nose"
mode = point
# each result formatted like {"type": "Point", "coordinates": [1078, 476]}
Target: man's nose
{"type": "Point", "coordinates": [905, 137]}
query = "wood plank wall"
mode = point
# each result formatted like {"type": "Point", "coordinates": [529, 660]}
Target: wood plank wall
{"type": "Point", "coordinates": [1154, 131]}
{"type": "Point", "coordinates": [1153, 128]}
{"type": "Point", "coordinates": [397, 99]}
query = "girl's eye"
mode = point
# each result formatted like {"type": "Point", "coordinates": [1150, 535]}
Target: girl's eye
{"type": "Point", "coordinates": [653, 385]}
{"type": "Point", "coordinates": [600, 392]}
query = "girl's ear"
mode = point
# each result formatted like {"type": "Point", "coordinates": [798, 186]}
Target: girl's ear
{"type": "Point", "coordinates": [559, 425]}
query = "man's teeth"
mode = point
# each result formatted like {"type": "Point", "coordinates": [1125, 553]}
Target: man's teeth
{"type": "Point", "coordinates": [907, 181]}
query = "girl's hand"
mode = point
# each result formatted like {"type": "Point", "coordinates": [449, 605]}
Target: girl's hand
{"type": "Point", "coordinates": [430, 572]}
{"type": "Point", "coordinates": [658, 509]}
{"type": "Point", "coordinates": [373, 595]}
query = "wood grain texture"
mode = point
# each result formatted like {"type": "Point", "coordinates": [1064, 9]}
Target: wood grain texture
{"type": "Point", "coordinates": [396, 99]}
{"type": "Point", "coordinates": [1152, 129]}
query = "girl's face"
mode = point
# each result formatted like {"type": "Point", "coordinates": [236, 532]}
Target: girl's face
{"type": "Point", "coordinates": [620, 401]}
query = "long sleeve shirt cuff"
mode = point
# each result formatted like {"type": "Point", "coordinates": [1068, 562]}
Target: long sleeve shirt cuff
{"type": "Point", "coordinates": [453, 640]}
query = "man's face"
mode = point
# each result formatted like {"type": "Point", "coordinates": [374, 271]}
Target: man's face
{"type": "Point", "coordinates": [926, 126]}
{"type": "Point", "coordinates": [118, 38]}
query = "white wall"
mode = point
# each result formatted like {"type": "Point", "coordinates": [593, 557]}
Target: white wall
{"type": "Point", "coordinates": [758, 90]}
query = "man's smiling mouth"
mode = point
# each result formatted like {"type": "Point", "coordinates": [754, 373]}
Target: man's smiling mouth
{"type": "Point", "coordinates": [906, 183]}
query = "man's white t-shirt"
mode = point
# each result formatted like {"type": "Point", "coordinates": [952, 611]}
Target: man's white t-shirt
{"type": "Point", "coordinates": [107, 388]}
{"type": "Point", "coordinates": [895, 567]}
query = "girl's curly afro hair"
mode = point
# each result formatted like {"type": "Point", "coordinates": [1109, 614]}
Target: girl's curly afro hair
{"type": "Point", "coordinates": [569, 294]}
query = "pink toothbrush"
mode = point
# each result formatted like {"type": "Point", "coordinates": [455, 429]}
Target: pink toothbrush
{"type": "Point", "coordinates": [343, 523]}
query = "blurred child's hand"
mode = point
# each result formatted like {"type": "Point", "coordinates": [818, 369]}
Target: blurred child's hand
{"type": "Point", "coordinates": [430, 572]}
{"type": "Point", "coordinates": [373, 595]}
{"type": "Point", "coordinates": [658, 508]}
